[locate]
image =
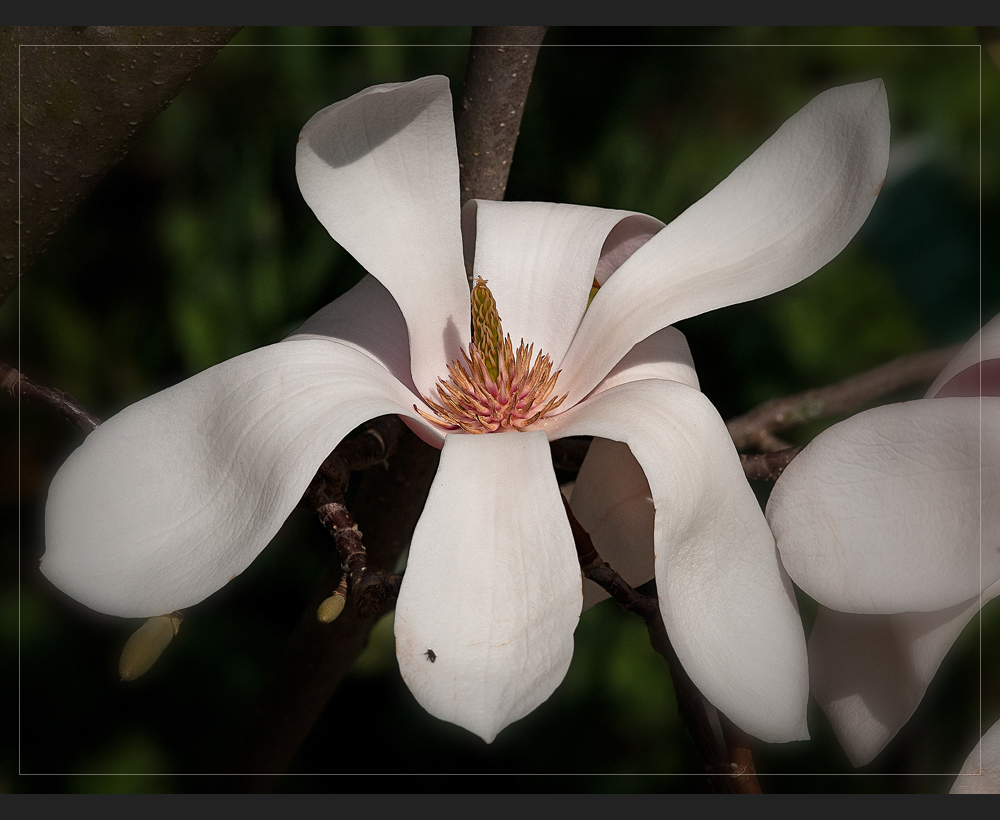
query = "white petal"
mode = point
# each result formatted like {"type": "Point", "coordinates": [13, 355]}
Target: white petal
{"type": "Point", "coordinates": [869, 672]}
{"type": "Point", "coordinates": [887, 511]}
{"type": "Point", "coordinates": [984, 346]}
{"type": "Point", "coordinates": [368, 319]}
{"type": "Point", "coordinates": [664, 355]}
{"type": "Point", "coordinates": [612, 501]}
{"type": "Point", "coordinates": [781, 215]}
{"type": "Point", "coordinates": [167, 501]}
{"type": "Point", "coordinates": [728, 606]}
{"type": "Point", "coordinates": [540, 260]}
{"type": "Point", "coordinates": [981, 772]}
{"type": "Point", "coordinates": [492, 588]}
{"type": "Point", "coordinates": [380, 170]}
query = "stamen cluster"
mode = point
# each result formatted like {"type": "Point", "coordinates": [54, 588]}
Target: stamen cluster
{"type": "Point", "coordinates": [475, 401]}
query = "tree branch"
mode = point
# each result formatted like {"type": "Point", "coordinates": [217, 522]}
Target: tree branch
{"type": "Point", "coordinates": [75, 100]}
{"type": "Point", "coordinates": [64, 404]}
{"type": "Point", "coordinates": [754, 430]}
{"type": "Point", "coordinates": [497, 76]}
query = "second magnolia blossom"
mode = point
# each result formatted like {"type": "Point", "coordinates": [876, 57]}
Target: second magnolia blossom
{"type": "Point", "coordinates": [170, 499]}
{"type": "Point", "coordinates": [890, 521]}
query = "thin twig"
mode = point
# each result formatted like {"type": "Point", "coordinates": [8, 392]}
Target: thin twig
{"type": "Point", "coordinates": [753, 430]}
{"type": "Point", "coordinates": [768, 466]}
{"type": "Point", "coordinates": [69, 408]}
{"type": "Point", "coordinates": [731, 769]}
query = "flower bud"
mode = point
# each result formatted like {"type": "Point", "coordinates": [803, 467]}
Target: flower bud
{"type": "Point", "coordinates": [147, 644]}
{"type": "Point", "coordinates": [331, 608]}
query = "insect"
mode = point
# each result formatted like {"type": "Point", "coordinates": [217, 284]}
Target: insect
{"type": "Point", "coordinates": [430, 655]}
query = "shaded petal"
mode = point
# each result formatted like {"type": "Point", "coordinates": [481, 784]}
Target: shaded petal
{"type": "Point", "coordinates": [727, 604]}
{"type": "Point", "coordinates": [380, 171]}
{"type": "Point", "coordinates": [612, 501]}
{"type": "Point", "coordinates": [611, 497]}
{"type": "Point", "coordinates": [540, 260]}
{"type": "Point", "coordinates": [781, 215]}
{"type": "Point", "coordinates": [882, 512]}
{"type": "Point", "coordinates": [869, 672]}
{"type": "Point", "coordinates": [981, 772]}
{"type": "Point", "coordinates": [174, 496]}
{"type": "Point", "coordinates": [492, 585]}
{"type": "Point", "coordinates": [984, 346]}
{"type": "Point", "coordinates": [368, 319]}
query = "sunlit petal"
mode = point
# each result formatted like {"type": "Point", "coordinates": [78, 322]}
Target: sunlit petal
{"type": "Point", "coordinates": [167, 501]}
{"type": "Point", "coordinates": [368, 319]}
{"type": "Point", "coordinates": [889, 510]}
{"type": "Point", "coordinates": [540, 260]}
{"type": "Point", "coordinates": [781, 215]}
{"type": "Point", "coordinates": [664, 355]}
{"type": "Point", "coordinates": [728, 606]}
{"type": "Point", "coordinates": [380, 170]}
{"type": "Point", "coordinates": [492, 592]}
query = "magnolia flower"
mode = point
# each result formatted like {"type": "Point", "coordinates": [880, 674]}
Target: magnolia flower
{"type": "Point", "coordinates": [169, 500]}
{"type": "Point", "coordinates": [889, 520]}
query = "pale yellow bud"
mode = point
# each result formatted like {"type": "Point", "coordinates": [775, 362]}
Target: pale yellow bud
{"type": "Point", "coordinates": [331, 608]}
{"type": "Point", "coordinates": [147, 644]}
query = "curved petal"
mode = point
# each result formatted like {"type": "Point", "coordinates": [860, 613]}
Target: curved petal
{"type": "Point", "coordinates": [612, 501]}
{"type": "Point", "coordinates": [981, 772]}
{"type": "Point", "coordinates": [982, 347]}
{"type": "Point", "coordinates": [167, 501]}
{"type": "Point", "coordinates": [883, 512]}
{"type": "Point", "coordinates": [781, 215]}
{"type": "Point", "coordinates": [380, 171]}
{"type": "Point", "coordinates": [540, 260]}
{"type": "Point", "coordinates": [664, 355]}
{"type": "Point", "coordinates": [492, 593]}
{"type": "Point", "coordinates": [368, 319]}
{"type": "Point", "coordinates": [869, 672]}
{"type": "Point", "coordinates": [727, 604]}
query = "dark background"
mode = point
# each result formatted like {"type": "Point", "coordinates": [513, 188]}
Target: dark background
{"type": "Point", "coordinates": [199, 247]}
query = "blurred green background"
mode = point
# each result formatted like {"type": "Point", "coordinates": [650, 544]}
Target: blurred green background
{"type": "Point", "coordinates": [199, 247]}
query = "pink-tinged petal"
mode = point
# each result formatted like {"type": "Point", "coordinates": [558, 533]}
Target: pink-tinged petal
{"type": "Point", "coordinates": [893, 509]}
{"type": "Point", "coordinates": [170, 499]}
{"type": "Point", "coordinates": [962, 377]}
{"type": "Point", "coordinates": [368, 319]}
{"type": "Point", "coordinates": [612, 501]}
{"type": "Point", "coordinates": [664, 355]}
{"type": "Point", "coordinates": [492, 591]}
{"type": "Point", "coordinates": [981, 772]}
{"type": "Point", "coordinates": [380, 170]}
{"type": "Point", "coordinates": [781, 215]}
{"type": "Point", "coordinates": [727, 604]}
{"type": "Point", "coordinates": [869, 672]}
{"type": "Point", "coordinates": [540, 260]}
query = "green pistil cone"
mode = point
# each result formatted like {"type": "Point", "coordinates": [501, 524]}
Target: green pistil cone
{"type": "Point", "coordinates": [487, 332]}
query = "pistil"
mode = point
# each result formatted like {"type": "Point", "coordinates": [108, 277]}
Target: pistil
{"type": "Point", "coordinates": [496, 387]}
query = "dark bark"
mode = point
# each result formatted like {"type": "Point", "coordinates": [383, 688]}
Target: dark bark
{"type": "Point", "coordinates": [76, 97]}
{"type": "Point", "coordinates": [501, 62]}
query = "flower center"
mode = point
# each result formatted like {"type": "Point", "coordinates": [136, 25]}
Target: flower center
{"type": "Point", "coordinates": [496, 387]}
